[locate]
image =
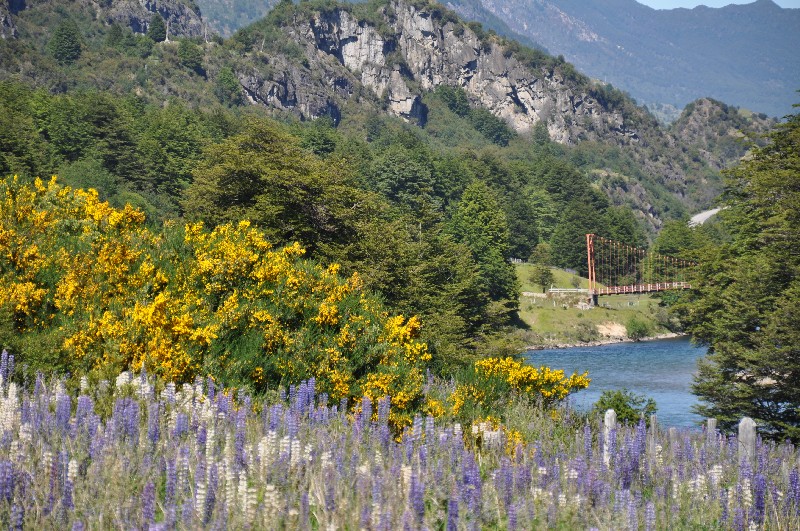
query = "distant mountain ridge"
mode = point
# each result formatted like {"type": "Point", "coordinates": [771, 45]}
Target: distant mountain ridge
{"type": "Point", "coordinates": [745, 55]}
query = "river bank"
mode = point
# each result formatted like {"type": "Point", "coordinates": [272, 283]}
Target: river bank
{"type": "Point", "coordinates": [605, 341]}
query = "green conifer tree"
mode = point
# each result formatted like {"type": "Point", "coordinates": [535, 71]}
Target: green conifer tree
{"type": "Point", "coordinates": [157, 30]}
{"type": "Point", "coordinates": [65, 45]}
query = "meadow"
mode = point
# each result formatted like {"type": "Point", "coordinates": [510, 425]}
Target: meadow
{"type": "Point", "coordinates": [137, 454]}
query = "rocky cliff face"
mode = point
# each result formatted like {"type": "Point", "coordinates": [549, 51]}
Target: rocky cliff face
{"type": "Point", "coordinates": [418, 53]}
{"type": "Point", "coordinates": [182, 19]}
{"type": "Point", "coordinates": [7, 28]}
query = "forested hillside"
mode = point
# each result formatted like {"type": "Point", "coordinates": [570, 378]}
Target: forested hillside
{"type": "Point", "coordinates": [321, 124]}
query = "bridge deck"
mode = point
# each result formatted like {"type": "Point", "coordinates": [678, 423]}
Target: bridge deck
{"type": "Point", "coordinates": [641, 288]}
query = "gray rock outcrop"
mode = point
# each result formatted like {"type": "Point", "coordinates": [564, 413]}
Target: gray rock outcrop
{"type": "Point", "coordinates": [420, 53]}
{"type": "Point", "coordinates": [7, 28]}
{"type": "Point", "coordinates": [180, 18]}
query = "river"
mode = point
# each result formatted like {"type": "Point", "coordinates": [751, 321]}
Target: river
{"type": "Point", "coordinates": [661, 369]}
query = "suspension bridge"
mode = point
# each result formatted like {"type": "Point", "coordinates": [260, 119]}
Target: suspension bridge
{"type": "Point", "coordinates": [616, 268]}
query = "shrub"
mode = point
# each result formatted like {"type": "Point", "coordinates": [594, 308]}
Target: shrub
{"type": "Point", "coordinates": [109, 294]}
{"type": "Point", "coordinates": [629, 406]}
{"type": "Point", "coordinates": [637, 329]}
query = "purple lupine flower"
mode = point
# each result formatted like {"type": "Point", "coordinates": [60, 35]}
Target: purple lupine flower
{"type": "Point", "coordinates": [304, 511]}
{"type": "Point", "coordinates": [6, 480]}
{"type": "Point", "coordinates": [77, 525]}
{"type": "Point", "coordinates": [126, 416]}
{"type": "Point", "coordinates": [4, 365]}
{"type": "Point", "coordinates": [330, 492]}
{"type": "Point", "coordinates": [408, 521]}
{"type": "Point", "coordinates": [365, 517]}
{"type": "Point", "coordinates": [171, 482]}
{"type": "Point", "coordinates": [83, 411]}
{"type": "Point", "coordinates": [202, 438]}
{"type": "Point", "coordinates": [148, 503]}
{"type": "Point", "coordinates": [63, 411]}
{"type": "Point", "coordinates": [738, 519]}
{"type": "Point", "coordinates": [181, 426]}
{"type": "Point", "coordinates": [239, 439]}
{"type": "Point", "coordinates": [366, 411]}
{"type": "Point", "coordinates": [417, 496]}
{"type": "Point", "coordinates": [153, 422]}
{"type": "Point", "coordinates": [633, 514]}
{"type": "Point", "coordinates": [759, 496]}
{"type": "Point", "coordinates": [17, 517]}
{"type": "Point", "coordinates": [793, 496]}
{"type": "Point", "coordinates": [312, 391]}
{"type": "Point", "coordinates": [66, 497]}
{"type": "Point", "coordinates": [504, 481]}
{"type": "Point", "coordinates": [452, 512]}
{"type": "Point", "coordinates": [650, 516]}
{"type": "Point", "coordinates": [211, 493]}
{"type": "Point", "coordinates": [211, 388]}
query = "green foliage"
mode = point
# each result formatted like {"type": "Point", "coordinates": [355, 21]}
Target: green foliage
{"type": "Point", "coordinates": [114, 37]}
{"type": "Point", "coordinates": [227, 88]}
{"type": "Point", "coordinates": [542, 275]}
{"type": "Point", "coordinates": [569, 238]}
{"type": "Point", "coordinates": [65, 45]}
{"type": "Point", "coordinates": [630, 407]}
{"type": "Point", "coordinates": [481, 225]}
{"type": "Point", "coordinates": [157, 30]}
{"type": "Point", "coordinates": [263, 175]}
{"type": "Point", "coordinates": [190, 55]}
{"type": "Point", "coordinates": [637, 329]}
{"type": "Point", "coordinates": [745, 303]}
{"type": "Point", "coordinates": [491, 127]}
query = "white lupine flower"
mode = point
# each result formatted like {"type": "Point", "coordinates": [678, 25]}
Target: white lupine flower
{"type": "Point", "coordinates": [375, 517]}
{"type": "Point", "coordinates": [72, 470]}
{"type": "Point", "coordinates": [211, 442]}
{"type": "Point", "coordinates": [230, 448]}
{"type": "Point", "coordinates": [715, 474]}
{"type": "Point", "coordinates": [295, 453]}
{"type": "Point", "coordinates": [572, 474]}
{"type": "Point", "coordinates": [747, 495]}
{"type": "Point", "coordinates": [270, 498]}
{"type": "Point", "coordinates": [308, 455]}
{"type": "Point", "coordinates": [284, 447]}
{"type": "Point", "coordinates": [325, 460]}
{"type": "Point", "coordinates": [562, 500]}
{"type": "Point", "coordinates": [542, 471]}
{"type": "Point", "coordinates": [124, 378]}
{"type": "Point", "coordinates": [47, 462]}
{"type": "Point", "coordinates": [230, 482]}
{"type": "Point", "coordinates": [84, 384]}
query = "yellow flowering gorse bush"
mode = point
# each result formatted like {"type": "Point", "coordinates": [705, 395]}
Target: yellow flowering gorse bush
{"type": "Point", "coordinates": [498, 381]}
{"type": "Point", "coordinates": [186, 301]}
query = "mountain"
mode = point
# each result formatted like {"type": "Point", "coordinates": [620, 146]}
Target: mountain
{"type": "Point", "coordinates": [745, 55]}
{"type": "Point", "coordinates": [320, 59]}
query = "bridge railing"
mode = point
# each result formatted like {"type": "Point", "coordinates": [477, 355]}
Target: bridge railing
{"type": "Point", "coordinates": [641, 288]}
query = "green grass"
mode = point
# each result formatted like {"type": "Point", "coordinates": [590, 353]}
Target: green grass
{"type": "Point", "coordinates": [558, 319]}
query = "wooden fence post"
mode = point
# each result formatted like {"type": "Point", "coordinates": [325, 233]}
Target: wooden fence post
{"type": "Point", "coordinates": [747, 439]}
{"type": "Point", "coordinates": [711, 429]}
{"type": "Point", "coordinates": [609, 424]}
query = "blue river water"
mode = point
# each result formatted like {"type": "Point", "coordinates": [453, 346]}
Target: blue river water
{"type": "Point", "coordinates": [661, 369]}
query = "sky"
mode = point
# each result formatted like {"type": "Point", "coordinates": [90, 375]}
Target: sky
{"type": "Point", "coordinates": [670, 4]}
